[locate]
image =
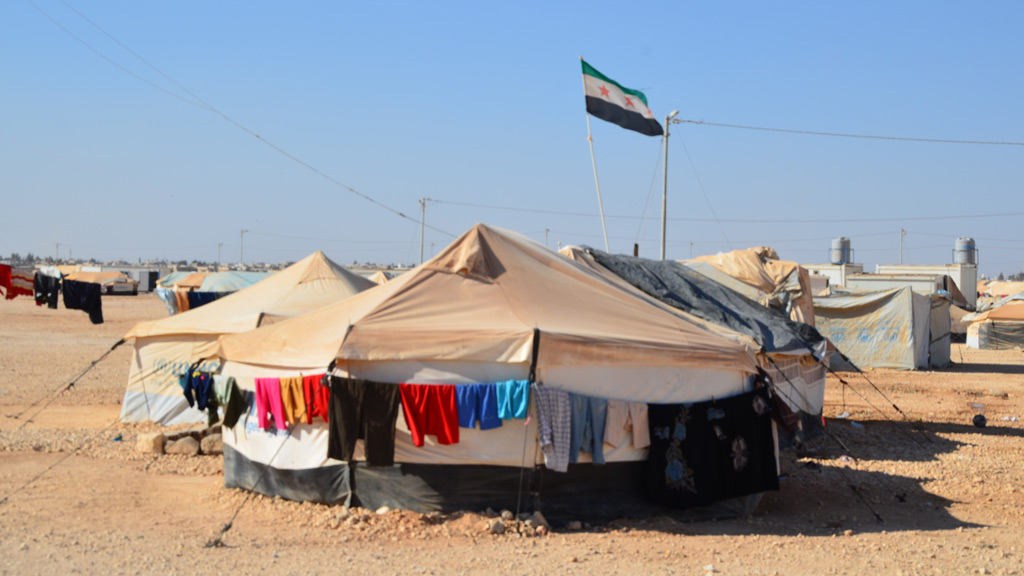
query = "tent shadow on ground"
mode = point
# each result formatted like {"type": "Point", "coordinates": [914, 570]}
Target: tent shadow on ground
{"type": "Point", "coordinates": [822, 501]}
{"type": "Point", "coordinates": [976, 368]}
{"type": "Point", "coordinates": [878, 440]}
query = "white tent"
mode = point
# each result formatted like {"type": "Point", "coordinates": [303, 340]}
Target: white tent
{"type": "Point", "coordinates": [895, 328]}
{"type": "Point", "coordinates": [1000, 327]}
{"type": "Point", "coordinates": [491, 307]}
{"type": "Point", "coordinates": [165, 348]}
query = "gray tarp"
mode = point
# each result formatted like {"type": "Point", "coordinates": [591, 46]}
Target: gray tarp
{"type": "Point", "coordinates": [681, 287]}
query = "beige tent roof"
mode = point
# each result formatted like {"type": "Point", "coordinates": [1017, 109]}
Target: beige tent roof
{"type": "Point", "coordinates": [1011, 310]}
{"type": "Point", "coordinates": [193, 280]}
{"type": "Point", "coordinates": [760, 268]}
{"type": "Point", "coordinates": [104, 278]}
{"type": "Point", "coordinates": [309, 284]}
{"type": "Point", "coordinates": [1000, 289]}
{"type": "Point", "coordinates": [480, 301]}
{"type": "Point", "coordinates": [379, 277]}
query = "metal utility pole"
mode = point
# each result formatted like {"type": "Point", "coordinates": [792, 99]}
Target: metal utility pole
{"type": "Point", "coordinates": [664, 188]}
{"type": "Point", "coordinates": [902, 234]}
{"type": "Point", "coordinates": [423, 221]}
{"type": "Point", "coordinates": [219, 244]}
{"type": "Point", "coordinates": [241, 248]}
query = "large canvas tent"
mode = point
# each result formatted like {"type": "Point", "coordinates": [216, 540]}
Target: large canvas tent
{"type": "Point", "coordinates": [165, 348]}
{"type": "Point", "coordinates": [792, 351]}
{"type": "Point", "coordinates": [493, 306]}
{"type": "Point", "coordinates": [896, 328]}
{"type": "Point", "coordinates": [758, 274]}
{"type": "Point", "coordinates": [1000, 327]}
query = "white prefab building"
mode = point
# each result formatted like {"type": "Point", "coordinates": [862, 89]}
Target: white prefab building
{"type": "Point", "coordinates": [964, 275]}
{"type": "Point", "coordinates": [836, 273]}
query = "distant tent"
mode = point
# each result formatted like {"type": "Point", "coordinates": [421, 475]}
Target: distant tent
{"type": "Point", "coordinates": [1000, 327]}
{"type": "Point", "coordinates": [169, 280]}
{"type": "Point", "coordinates": [895, 328]}
{"type": "Point", "coordinates": [164, 349]}
{"type": "Point", "coordinates": [493, 306]}
{"type": "Point", "coordinates": [379, 277]}
{"type": "Point", "coordinates": [795, 348]}
{"type": "Point", "coordinates": [110, 282]}
{"type": "Point", "coordinates": [758, 274]}
{"type": "Point", "coordinates": [230, 281]}
{"type": "Point", "coordinates": [999, 289]}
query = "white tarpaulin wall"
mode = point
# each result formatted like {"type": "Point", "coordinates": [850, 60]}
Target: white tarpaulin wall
{"type": "Point", "coordinates": [165, 348]}
{"type": "Point", "coordinates": [886, 329]}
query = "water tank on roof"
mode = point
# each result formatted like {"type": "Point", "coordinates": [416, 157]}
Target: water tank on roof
{"type": "Point", "coordinates": [964, 251]}
{"type": "Point", "coordinates": [840, 253]}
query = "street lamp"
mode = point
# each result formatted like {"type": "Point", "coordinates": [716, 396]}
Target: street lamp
{"type": "Point", "coordinates": [241, 249]}
{"type": "Point", "coordinates": [664, 189]}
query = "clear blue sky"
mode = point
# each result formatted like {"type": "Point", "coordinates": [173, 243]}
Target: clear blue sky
{"type": "Point", "coordinates": [479, 105]}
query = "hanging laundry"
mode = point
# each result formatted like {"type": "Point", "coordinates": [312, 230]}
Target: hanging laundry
{"type": "Point", "coordinates": [513, 399]}
{"type": "Point", "coordinates": [430, 409]}
{"type": "Point", "coordinates": [197, 299]}
{"type": "Point", "coordinates": [477, 403]}
{"type": "Point", "coordinates": [709, 451]}
{"type": "Point", "coordinates": [228, 395]}
{"type": "Point", "coordinates": [317, 393]}
{"type": "Point", "coordinates": [181, 300]}
{"type": "Point", "coordinates": [293, 400]}
{"type": "Point", "coordinates": [16, 282]}
{"type": "Point", "coordinates": [589, 415]}
{"type": "Point", "coordinates": [47, 290]}
{"type": "Point", "coordinates": [268, 400]}
{"type": "Point", "coordinates": [627, 417]}
{"type": "Point", "coordinates": [83, 296]}
{"type": "Point", "coordinates": [196, 387]}
{"type": "Point", "coordinates": [5, 279]}
{"type": "Point", "coordinates": [22, 283]}
{"type": "Point", "coordinates": [167, 297]}
{"type": "Point", "coordinates": [362, 410]}
{"type": "Point", "coordinates": [554, 426]}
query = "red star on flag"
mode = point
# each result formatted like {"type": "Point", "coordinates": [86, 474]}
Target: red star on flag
{"type": "Point", "coordinates": [629, 102]}
{"type": "Point", "coordinates": [604, 91]}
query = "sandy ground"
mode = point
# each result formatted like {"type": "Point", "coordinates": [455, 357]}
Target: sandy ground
{"type": "Point", "coordinates": [921, 491]}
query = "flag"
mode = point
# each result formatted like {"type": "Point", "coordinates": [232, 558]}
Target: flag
{"type": "Point", "coordinates": [611, 101]}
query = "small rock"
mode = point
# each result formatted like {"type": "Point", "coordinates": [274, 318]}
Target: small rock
{"type": "Point", "coordinates": [574, 525]}
{"type": "Point", "coordinates": [497, 527]}
{"type": "Point", "coordinates": [540, 521]}
{"type": "Point", "coordinates": [710, 568]}
{"type": "Point", "coordinates": [383, 510]}
{"type": "Point", "coordinates": [847, 532]}
{"type": "Point", "coordinates": [212, 445]}
{"type": "Point", "coordinates": [507, 515]}
{"type": "Point", "coordinates": [151, 443]}
{"type": "Point", "coordinates": [187, 446]}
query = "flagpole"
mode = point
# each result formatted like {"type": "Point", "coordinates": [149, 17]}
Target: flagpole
{"type": "Point", "coordinates": [593, 160]}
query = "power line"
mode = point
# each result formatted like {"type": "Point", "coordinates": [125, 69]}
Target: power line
{"type": "Point", "coordinates": [700, 184]}
{"type": "Point", "coordinates": [735, 220]}
{"type": "Point", "coordinates": [200, 103]}
{"type": "Point", "coordinates": [864, 136]}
